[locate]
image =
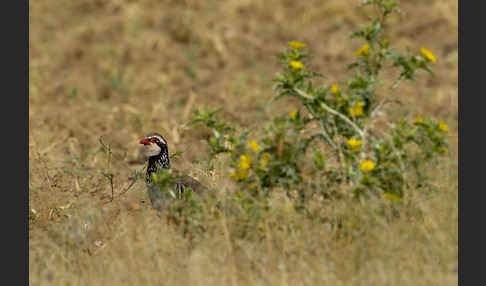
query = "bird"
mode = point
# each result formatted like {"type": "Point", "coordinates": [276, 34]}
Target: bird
{"type": "Point", "coordinates": [156, 149]}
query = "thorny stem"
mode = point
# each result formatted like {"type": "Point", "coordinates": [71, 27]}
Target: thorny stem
{"type": "Point", "coordinates": [339, 150]}
{"type": "Point", "coordinates": [364, 138]}
{"type": "Point", "coordinates": [397, 82]}
{"type": "Point", "coordinates": [134, 180]}
{"type": "Point", "coordinates": [397, 153]}
{"type": "Point", "coordinates": [112, 188]}
{"type": "Point", "coordinates": [330, 110]}
{"type": "Point", "coordinates": [108, 174]}
{"type": "Point", "coordinates": [325, 132]}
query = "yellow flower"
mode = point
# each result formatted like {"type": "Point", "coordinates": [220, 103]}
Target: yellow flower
{"type": "Point", "coordinates": [428, 55]}
{"type": "Point", "coordinates": [351, 224]}
{"type": "Point", "coordinates": [443, 126]}
{"type": "Point", "coordinates": [296, 45]}
{"type": "Point", "coordinates": [234, 175]}
{"type": "Point", "coordinates": [243, 174]}
{"type": "Point", "coordinates": [240, 175]}
{"type": "Point", "coordinates": [385, 41]}
{"type": "Point", "coordinates": [357, 109]}
{"type": "Point", "coordinates": [245, 162]}
{"type": "Point", "coordinates": [296, 65]}
{"type": "Point", "coordinates": [293, 114]}
{"type": "Point", "coordinates": [367, 166]}
{"type": "Point", "coordinates": [243, 166]}
{"type": "Point", "coordinates": [419, 119]}
{"type": "Point", "coordinates": [252, 187]}
{"type": "Point", "coordinates": [354, 143]}
{"type": "Point", "coordinates": [254, 146]}
{"type": "Point", "coordinates": [334, 88]}
{"type": "Point", "coordinates": [265, 159]}
{"type": "Point", "coordinates": [364, 50]}
{"type": "Point", "coordinates": [392, 197]}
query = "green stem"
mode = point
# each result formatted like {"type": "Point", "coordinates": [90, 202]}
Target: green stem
{"type": "Point", "coordinates": [330, 110]}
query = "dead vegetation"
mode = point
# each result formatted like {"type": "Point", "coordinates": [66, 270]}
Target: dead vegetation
{"type": "Point", "coordinates": [121, 69]}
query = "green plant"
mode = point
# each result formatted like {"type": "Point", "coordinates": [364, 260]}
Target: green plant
{"type": "Point", "coordinates": [108, 173]}
{"type": "Point", "coordinates": [338, 122]}
{"type": "Point", "coordinates": [181, 208]}
{"type": "Point", "coordinates": [328, 146]}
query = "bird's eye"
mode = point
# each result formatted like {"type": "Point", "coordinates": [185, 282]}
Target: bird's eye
{"type": "Point", "coordinates": [153, 140]}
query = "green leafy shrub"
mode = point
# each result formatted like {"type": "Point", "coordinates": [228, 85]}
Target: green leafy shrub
{"type": "Point", "coordinates": [330, 144]}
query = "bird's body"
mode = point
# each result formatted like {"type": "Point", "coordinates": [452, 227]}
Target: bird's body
{"type": "Point", "coordinates": [156, 149]}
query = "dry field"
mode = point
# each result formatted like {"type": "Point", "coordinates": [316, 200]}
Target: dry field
{"type": "Point", "coordinates": [122, 68]}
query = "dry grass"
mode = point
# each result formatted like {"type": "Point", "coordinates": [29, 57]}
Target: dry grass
{"type": "Point", "coordinates": [121, 69]}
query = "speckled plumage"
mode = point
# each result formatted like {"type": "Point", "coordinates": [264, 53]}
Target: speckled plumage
{"type": "Point", "coordinates": [157, 161]}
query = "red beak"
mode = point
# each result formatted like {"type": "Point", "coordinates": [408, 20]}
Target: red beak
{"type": "Point", "coordinates": [144, 141]}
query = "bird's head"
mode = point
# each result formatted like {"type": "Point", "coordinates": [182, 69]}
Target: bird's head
{"type": "Point", "coordinates": [154, 145]}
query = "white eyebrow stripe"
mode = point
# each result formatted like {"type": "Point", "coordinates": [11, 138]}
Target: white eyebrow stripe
{"type": "Point", "coordinates": [160, 139]}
